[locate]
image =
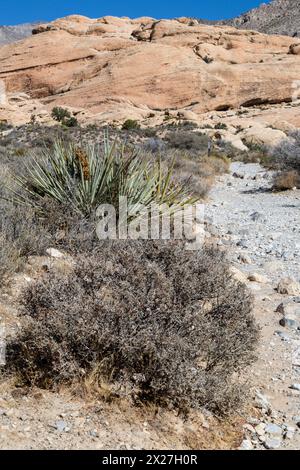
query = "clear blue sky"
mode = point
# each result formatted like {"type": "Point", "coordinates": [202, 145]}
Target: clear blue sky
{"type": "Point", "coordinates": [21, 11]}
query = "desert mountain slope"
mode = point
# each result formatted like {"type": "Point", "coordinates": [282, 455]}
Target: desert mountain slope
{"type": "Point", "coordinates": [9, 34]}
{"type": "Point", "coordinates": [116, 68]}
{"type": "Point", "coordinates": [277, 17]}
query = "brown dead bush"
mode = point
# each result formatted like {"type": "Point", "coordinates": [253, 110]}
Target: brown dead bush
{"type": "Point", "coordinates": [164, 324]}
{"type": "Point", "coordinates": [286, 180]}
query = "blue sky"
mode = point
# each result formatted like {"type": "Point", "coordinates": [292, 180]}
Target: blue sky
{"type": "Point", "coordinates": [21, 11]}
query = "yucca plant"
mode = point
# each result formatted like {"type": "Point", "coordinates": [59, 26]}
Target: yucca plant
{"type": "Point", "coordinates": [84, 178]}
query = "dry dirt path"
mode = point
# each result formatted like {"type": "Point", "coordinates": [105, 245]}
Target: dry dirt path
{"type": "Point", "coordinates": [260, 230]}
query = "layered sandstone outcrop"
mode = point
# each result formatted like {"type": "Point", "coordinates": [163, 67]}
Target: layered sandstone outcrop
{"type": "Point", "coordinates": [118, 68]}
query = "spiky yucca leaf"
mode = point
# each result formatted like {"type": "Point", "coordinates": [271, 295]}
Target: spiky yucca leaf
{"type": "Point", "coordinates": [84, 178]}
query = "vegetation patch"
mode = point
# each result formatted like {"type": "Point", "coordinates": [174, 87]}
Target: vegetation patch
{"type": "Point", "coordinates": [156, 321]}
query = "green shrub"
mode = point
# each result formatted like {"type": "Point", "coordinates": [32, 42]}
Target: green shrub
{"type": "Point", "coordinates": [130, 124]}
{"type": "Point", "coordinates": [60, 114]}
{"type": "Point", "coordinates": [72, 122]}
{"type": "Point", "coordinates": [221, 125]}
{"type": "Point", "coordinates": [157, 322]}
{"type": "Point", "coordinates": [64, 117]}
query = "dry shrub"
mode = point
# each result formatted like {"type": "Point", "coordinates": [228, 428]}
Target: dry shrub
{"type": "Point", "coordinates": [160, 323]}
{"type": "Point", "coordinates": [187, 140]}
{"type": "Point", "coordinates": [286, 159]}
{"type": "Point", "coordinates": [286, 180]}
{"type": "Point", "coordinates": [19, 237]}
{"type": "Point", "coordinates": [199, 173]}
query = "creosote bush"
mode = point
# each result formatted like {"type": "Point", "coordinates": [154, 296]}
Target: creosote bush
{"type": "Point", "coordinates": [159, 323]}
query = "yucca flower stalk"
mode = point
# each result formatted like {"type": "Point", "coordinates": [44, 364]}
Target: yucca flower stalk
{"type": "Point", "coordinates": [84, 178]}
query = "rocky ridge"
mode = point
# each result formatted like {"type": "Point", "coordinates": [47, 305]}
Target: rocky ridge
{"type": "Point", "coordinates": [112, 69]}
{"type": "Point", "coordinates": [275, 17]}
{"type": "Point", "coordinates": [10, 34]}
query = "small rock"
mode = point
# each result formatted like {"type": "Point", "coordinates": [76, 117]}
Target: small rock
{"type": "Point", "coordinates": [61, 426]}
{"type": "Point", "coordinates": [255, 277]}
{"type": "Point", "coordinates": [270, 443]}
{"type": "Point", "coordinates": [296, 420]}
{"type": "Point", "coordinates": [257, 217]}
{"type": "Point", "coordinates": [243, 243]}
{"type": "Point", "coordinates": [295, 387]}
{"type": "Point", "coordinates": [273, 429]}
{"type": "Point", "coordinates": [238, 275]}
{"type": "Point", "coordinates": [283, 336]}
{"type": "Point", "coordinates": [288, 286]}
{"type": "Point", "coordinates": [289, 432]}
{"type": "Point", "coordinates": [260, 429]}
{"type": "Point", "coordinates": [262, 402]}
{"type": "Point", "coordinates": [289, 323]}
{"type": "Point", "coordinates": [246, 445]}
{"type": "Point", "coordinates": [54, 253]}
{"type": "Point", "coordinates": [245, 259]}
{"type": "Point", "coordinates": [289, 308]}
{"type": "Point", "coordinates": [238, 175]}
{"type": "Point", "coordinates": [249, 427]}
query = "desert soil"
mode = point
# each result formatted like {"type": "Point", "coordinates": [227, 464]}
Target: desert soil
{"type": "Point", "coordinates": [260, 231]}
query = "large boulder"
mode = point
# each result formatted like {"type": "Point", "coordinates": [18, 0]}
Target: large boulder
{"type": "Point", "coordinates": [259, 134]}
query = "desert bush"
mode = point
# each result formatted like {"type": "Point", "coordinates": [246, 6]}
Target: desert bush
{"type": "Point", "coordinates": [286, 154]}
{"type": "Point", "coordinates": [84, 178]}
{"type": "Point", "coordinates": [154, 145]}
{"type": "Point", "coordinates": [286, 160]}
{"type": "Point", "coordinates": [60, 114]}
{"type": "Point", "coordinates": [130, 124]}
{"type": "Point", "coordinates": [19, 237]}
{"type": "Point", "coordinates": [191, 141]}
{"type": "Point", "coordinates": [221, 125]}
{"type": "Point", "coordinates": [199, 173]}
{"type": "Point", "coordinates": [286, 180]}
{"type": "Point", "coordinates": [64, 117]}
{"type": "Point", "coordinates": [157, 322]}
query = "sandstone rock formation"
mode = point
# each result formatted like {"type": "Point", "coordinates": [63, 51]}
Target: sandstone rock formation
{"type": "Point", "coordinates": [118, 68]}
